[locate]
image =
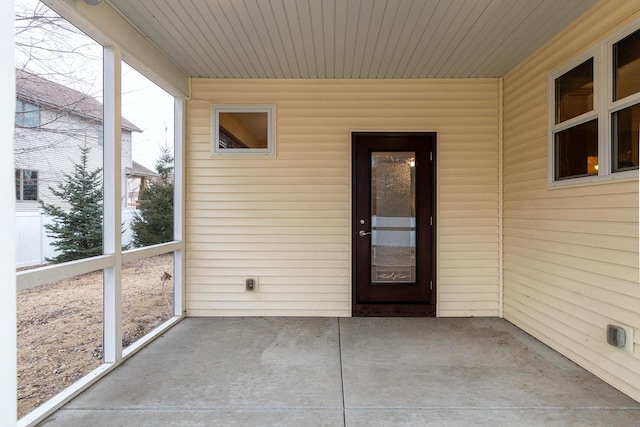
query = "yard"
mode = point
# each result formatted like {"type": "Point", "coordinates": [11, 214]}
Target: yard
{"type": "Point", "coordinates": [60, 325]}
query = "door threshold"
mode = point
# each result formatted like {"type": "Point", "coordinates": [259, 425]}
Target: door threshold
{"type": "Point", "coordinates": [394, 310]}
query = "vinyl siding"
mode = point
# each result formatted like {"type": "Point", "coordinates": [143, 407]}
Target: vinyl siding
{"type": "Point", "coordinates": [570, 254]}
{"type": "Point", "coordinates": [287, 220]}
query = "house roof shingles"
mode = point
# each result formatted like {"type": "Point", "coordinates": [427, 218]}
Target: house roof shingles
{"type": "Point", "coordinates": [47, 93]}
{"type": "Point", "coordinates": [137, 169]}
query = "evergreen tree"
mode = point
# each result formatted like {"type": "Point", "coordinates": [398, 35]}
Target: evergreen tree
{"type": "Point", "coordinates": [77, 232]}
{"type": "Point", "coordinates": [153, 222]}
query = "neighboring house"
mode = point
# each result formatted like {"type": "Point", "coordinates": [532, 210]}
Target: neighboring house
{"type": "Point", "coordinates": [138, 178]}
{"type": "Point", "coordinates": [52, 123]}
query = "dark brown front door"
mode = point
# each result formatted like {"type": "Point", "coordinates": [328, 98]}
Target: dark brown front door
{"type": "Point", "coordinates": [393, 224]}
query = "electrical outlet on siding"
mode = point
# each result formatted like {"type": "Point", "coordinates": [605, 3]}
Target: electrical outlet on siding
{"type": "Point", "coordinates": [251, 284]}
{"type": "Point", "coordinates": [629, 337]}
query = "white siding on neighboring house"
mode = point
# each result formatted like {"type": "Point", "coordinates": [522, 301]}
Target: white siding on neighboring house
{"type": "Point", "coordinates": [286, 220]}
{"type": "Point", "coordinates": [571, 253]}
{"type": "Point", "coordinates": [53, 148]}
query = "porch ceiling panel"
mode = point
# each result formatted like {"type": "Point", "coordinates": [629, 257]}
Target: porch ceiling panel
{"type": "Point", "coordinates": [349, 38]}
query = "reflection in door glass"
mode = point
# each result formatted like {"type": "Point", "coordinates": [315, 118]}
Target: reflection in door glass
{"type": "Point", "coordinates": [393, 222]}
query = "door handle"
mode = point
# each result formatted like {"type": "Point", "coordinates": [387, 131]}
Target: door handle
{"type": "Point", "coordinates": [363, 233]}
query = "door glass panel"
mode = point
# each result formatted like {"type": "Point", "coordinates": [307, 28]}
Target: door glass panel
{"type": "Point", "coordinates": [393, 222]}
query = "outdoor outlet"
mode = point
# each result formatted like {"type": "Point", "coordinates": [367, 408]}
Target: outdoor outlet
{"type": "Point", "coordinates": [251, 284]}
{"type": "Point", "coordinates": [621, 337]}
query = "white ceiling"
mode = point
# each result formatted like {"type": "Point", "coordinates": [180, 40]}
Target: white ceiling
{"type": "Point", "coordinates": [349, 38]}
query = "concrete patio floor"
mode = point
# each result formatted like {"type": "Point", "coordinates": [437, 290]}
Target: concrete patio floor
{"type": "Point", "coordinates": [348, 372]}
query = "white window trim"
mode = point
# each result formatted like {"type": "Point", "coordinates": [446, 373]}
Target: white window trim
{"type": "Point", "coordinates": [603, 107]}
{"type": "Point", "coordinates": [242, 152]}
{"type": "Point", "coordinates": [583, 118]}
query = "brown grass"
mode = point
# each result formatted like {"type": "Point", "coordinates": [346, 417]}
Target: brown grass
{"type": "Point", "coordinates": [60, 325]}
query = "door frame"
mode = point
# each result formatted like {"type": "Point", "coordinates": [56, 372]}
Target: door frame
{"type": "Point", "coordinates": [394, 309]}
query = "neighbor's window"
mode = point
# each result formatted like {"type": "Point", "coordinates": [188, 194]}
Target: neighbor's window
{"type": "Point", "coordinates": [242, 130]}
{"type": "Point", "coordinates": [27, 115]}
{"type": "Point", "coordinates": [575, 135]}
{"type": "Point", "coordinates": [26, 184]}
{"type": "Point", "coordinates": [626, 90]}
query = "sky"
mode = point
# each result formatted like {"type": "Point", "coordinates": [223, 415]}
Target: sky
{"type": "Point", "coordinates": [151, 109]}
{"type": "Point", "coordinates": [63, 54]}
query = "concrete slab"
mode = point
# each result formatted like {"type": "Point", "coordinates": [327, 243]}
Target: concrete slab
{"type": "Point", "coordinates": [229, 363]}
{"type": "Point", "coordinates": [461, 363]}
{"type": "Point", "coordinates": [521, 417]}
{"type": "Point", "coordinates": [353, 372]}
{"type": "Point", "coordinates": [193, 418]}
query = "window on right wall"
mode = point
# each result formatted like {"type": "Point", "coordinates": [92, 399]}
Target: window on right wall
{"type": "Point", "coordinates": [625, 116]}
{"type": "Point", "coordinates": [595, 112]}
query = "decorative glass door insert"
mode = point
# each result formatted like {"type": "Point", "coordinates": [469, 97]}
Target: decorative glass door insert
{"type": "Point", "coordinates": [393, 217]}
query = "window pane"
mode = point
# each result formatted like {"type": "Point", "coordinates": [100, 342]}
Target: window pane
{"type": "Point", "coordinates": [59, 95]}
{"type": "Point", "coordinates": [29, 185]}
{"type": "Point", "coordinates": [625, 137]}
{"type": "Point", "coordinates": [244, 130]}
{"type": "Point", "coordinates": [30, 116]}
{"type": "Point", "coordinates": [577, 151]}
{"type": "Point", "coordinates": [147, 156]}
{"type": "Point", "coordinates": [59, 336]}
{"type": "Point", "coordinates": [626, 66]}
{"type": "Point", "coordinates": [147, 296]}
{"type": "Point", "coordinates": [393, 222]}
{"type": "Point", "coordinates": [574, 92]}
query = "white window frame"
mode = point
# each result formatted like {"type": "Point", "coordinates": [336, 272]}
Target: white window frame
{"type": "Point", "coordinates": [215, 130]}
{"type": "Point", "coordinates": [621, 104]}
{"type": "Point", "coordinates": [574, 121]}
{"type": "Point", "coordinates": [603, 108]}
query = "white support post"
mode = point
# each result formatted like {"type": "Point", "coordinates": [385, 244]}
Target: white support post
{"type": "Point", "coordinates": [8, 372]}
{"type": "Point", "coordinates": [179, 291]}
{"type": "Point", "coordinates": [112, 237]}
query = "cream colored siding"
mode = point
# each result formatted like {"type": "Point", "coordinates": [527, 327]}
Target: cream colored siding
{"type": "Point", "coordinates": [570, 254]}
{"type": "Point", "coordinates": [286, 220]}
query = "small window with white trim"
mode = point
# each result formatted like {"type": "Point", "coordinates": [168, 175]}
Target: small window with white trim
{"type": "Point", "coordinates": [242, 130]}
